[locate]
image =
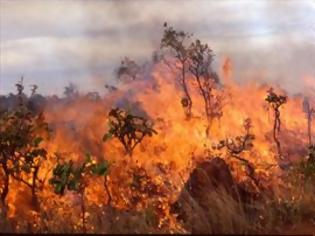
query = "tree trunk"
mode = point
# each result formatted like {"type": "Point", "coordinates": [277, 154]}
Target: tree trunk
{"type": "Point", "coordinates": [35, 202]}
{"type": "Point", "coordinates": [276, 129]}
{"type": "Point", "coordinates": [309, 128]}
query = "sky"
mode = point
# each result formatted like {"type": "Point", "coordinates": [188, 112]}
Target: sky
{"type": "Point", "coordinates": [54, 42]}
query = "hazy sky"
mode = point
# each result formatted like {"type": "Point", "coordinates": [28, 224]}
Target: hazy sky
{"type": "Point", "coordinates": [53, 42]}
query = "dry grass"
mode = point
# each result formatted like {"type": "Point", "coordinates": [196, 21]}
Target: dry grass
{"type": "Point", "coordinates": [289, 210]}
{"type": "Point", "coordinates": [220, 213]}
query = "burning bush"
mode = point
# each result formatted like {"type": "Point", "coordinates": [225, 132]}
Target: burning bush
{"type": "Point", "coordinates": [128, 129]}
{"type": "Point", "coordinates": [68, 176]}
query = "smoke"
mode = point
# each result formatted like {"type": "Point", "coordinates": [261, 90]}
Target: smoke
{"type": "Point", "coordinates": [51, 45]}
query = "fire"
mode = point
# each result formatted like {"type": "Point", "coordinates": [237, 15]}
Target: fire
{"type": "Point", "coordinates": [78, 128]}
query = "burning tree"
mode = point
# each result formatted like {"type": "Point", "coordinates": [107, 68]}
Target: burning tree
{"type": "Point", "coordinates": [176, 42]}
{"type": "Point", "coordinates": [128, 129]}
{"type": "Point", "coordinates": [68, 176]}
{"type": "Point", "coordinates": [276, 101]}
{"type": "Point", "coordinates": [201, 58]}
{"type": "Point", "coordinates": [20, 153]}
{"type": "Point", "coordinates": [310, 113]}
{"type": "Point", "coordinates": [236, 146]}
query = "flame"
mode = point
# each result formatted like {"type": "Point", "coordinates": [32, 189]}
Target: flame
{"type": "Point", "coordinates": [79, 127]}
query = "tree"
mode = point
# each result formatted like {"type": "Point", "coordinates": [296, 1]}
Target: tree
{"type": "Point", "coordinates": [276, 101]}
{"type": "Point", "coordinates": [71, 91]}
{"type": "Point", "coordinates": [110, 88]}
{"type": "Point", "coordinates": [93, 96]}
{"type": "Point", "coordinates": [175, 41]}
{"type": "Point", "coordinates": [68, 176]}
{"type": "Point", "coordinates": [21, 156]}
{"type": "Point", "coordinates": [128, 129]}
{"type": "Point", "coordinates": [128, 70]}
{"type": "Point", "coordinates": [201, 58]}
{"type": "Point", "coordinates": [307, 167]}
{"type": "Point", "coordinates": [236, 146]}
{"type": "Point", "coordinates": [310, 113]}
{"type": "Point", "coordinates": [33, 89]}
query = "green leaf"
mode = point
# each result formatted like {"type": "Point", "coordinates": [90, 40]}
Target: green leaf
{"type": "Point", "coordinates": [107, 136]}
{"type": "Point", "coordinates": [37, 141]}
{"type": "Point", "coordinates": [88, 158]}
{"type": "Point", "coordinates": [26, 168]}
{"type": "Point", "coordinates": [100, 169]}
{"type": "Point", "coordinates": [59, 188]}
{"type": "Point", "coordinates": [73, 185]}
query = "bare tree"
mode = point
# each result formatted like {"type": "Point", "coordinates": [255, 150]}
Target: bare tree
{"type": "Point", "coordinates": [276, 101]}
{"type": "Point", "coordinates": [176, 41]}
{"type": "Point", "coordinates": [310, 113]}
{"type": "Point", "coordinates": [201, 58]}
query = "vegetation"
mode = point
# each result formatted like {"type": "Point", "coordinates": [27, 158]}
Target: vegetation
{"type": "Point", "coordinates": [276, 101]}
{"type": "Point", "coordinates": [169, 185]}
{"type": "Point", "coordinates": [201, 58]}
{"type": "Point", "coordinates": [20, 139]}
{"type": "Point", "coordinates": [128, 70]}
{"type": "Point", "coordinates": [67, 176]}
{"type": "Point", "coordinates": [128, 129]}
{"type": "Point", "coordinates": [176, 42]}
{"type": "Point", "coordinates": [236, 146]}
{"type": "Point", "coordinates": [310, 113]}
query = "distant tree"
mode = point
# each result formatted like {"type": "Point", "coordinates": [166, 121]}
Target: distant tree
{"type": "Point", "coordinates": [176, 42]}
{"type": "Point", "coordinates": [128, 129]}
{"type": "Point", "coordinates": [71, 91]}
{"type": "Point", "coordinates": [276, 101]}
{"type": "Point", "coordinates": [157, 56]}
{"type": "Point", "coordinates": [33, 89]}
{"type": "Point", "coordinates": [72, 177]}
{"type": "Point", "coordinates": [110, 88]}
{"type": "Point", "coordinates": [128, 70]}
{"type": "Point", "coordinates": [21, 156]}
{"type": "Point", "coordinates": [310, 113]}
{"type": "Point", "coordinates": [93, 96]}
{"type": "Point", "coordinates": [201, 57]}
